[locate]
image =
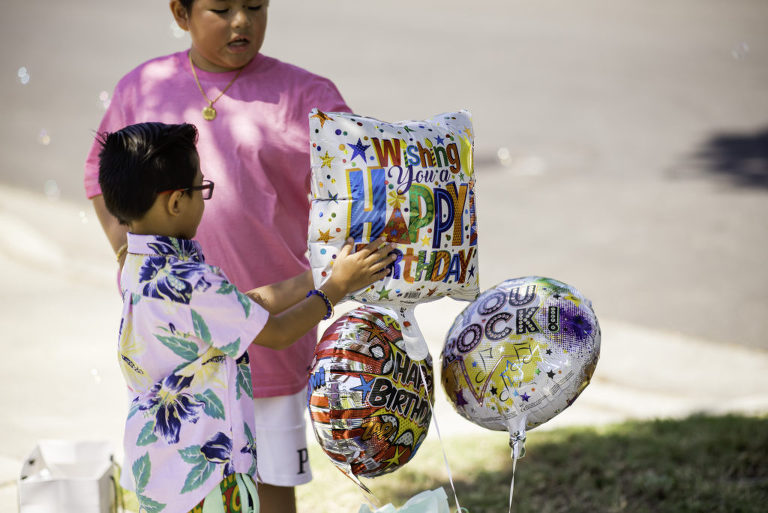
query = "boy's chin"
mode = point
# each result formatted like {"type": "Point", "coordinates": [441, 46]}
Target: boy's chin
{"type": "Point", "coordinates": [186, 234]}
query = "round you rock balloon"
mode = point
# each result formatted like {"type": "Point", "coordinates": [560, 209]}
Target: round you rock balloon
{"type": "Point", "coordinates": [414, 183]}
{"type": "Point", "coordinates": [520, 354]}
{"type": "Point", "coordinates": [368, 403]}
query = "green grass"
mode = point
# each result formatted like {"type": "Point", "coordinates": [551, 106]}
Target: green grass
{"type": "Point", "coordinates": [698, 464]}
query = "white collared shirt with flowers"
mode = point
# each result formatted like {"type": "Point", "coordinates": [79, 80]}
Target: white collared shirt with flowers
{"type": "Point", "coordinates": [182, 350]}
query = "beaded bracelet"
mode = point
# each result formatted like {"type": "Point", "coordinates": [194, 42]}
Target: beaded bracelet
{"type": "Point", "coordinates": [328, 304]}
{"type": "Point", "coordinates": [121, 251]}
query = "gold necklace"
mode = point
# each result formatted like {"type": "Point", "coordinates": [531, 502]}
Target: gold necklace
{"type": "Point", "coordinates": [209, 113]}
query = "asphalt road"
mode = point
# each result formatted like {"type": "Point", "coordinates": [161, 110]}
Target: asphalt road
{"type": "Point", "coordinates": [621, 146]}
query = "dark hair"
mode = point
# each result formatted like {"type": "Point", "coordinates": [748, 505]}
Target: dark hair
{"type": "Point", "coordinates": [140, 160]}
{"type": "Point", "coordinates": [187, 4]}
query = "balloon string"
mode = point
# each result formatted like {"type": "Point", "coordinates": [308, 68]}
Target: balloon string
{"type": "Point", "coordinates": [459, 509]}
{"type": "Point", "coordinates": [368, 495]}
{"type": "Point", "coordinates": [515, 453]}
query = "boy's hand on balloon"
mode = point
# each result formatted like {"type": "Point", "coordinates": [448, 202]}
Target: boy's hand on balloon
{"type": "Point", "coordinates": [354, 270]}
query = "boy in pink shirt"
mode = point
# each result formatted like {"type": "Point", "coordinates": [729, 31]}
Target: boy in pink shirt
{"type": "Point", "coordinates": [256, 149]}
{"type": "Point", "coordinates": [185, 329]}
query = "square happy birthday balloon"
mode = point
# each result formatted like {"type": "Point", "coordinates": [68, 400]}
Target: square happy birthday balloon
{"type": "Point", "coordinates": [412, 181]}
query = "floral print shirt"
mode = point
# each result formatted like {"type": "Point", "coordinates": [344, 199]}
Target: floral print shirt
{"type": "Point", "coordinates": [182, 350]}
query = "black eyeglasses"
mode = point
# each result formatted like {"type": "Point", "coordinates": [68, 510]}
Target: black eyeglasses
{"type": "Point", "coordinates": [207, 189]}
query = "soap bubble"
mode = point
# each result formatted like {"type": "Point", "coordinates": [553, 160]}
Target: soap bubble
{"type": "Point", "coordinates": [104, 99]}
{"type": "Point", "coordinates": [740, 51]}
{"type": "Point", "coordinates": [43, 137]}
{"type": "Point", "coordinates": [51, 189]}
{"type": "Point", "coordinates": [504, 156]}
{"type": "Point", "coordinates": [177, 31]}
{"type": "Point", "coordinates": [96, 376]}
{"type": "Point", "coordinates": [23, 75]}
{"type": "Point", "coordinates": [83, 217]}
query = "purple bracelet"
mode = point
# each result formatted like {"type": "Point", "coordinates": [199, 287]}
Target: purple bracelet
{"type": "Point", "coordinates": [328, 304]}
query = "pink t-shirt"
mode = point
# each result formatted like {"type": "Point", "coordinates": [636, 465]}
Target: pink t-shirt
{"type": "Point", "coordinates": [257, 153]}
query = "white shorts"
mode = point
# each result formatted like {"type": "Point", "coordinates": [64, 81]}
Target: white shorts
{"type": "Point", "coordinates": [281, 441]}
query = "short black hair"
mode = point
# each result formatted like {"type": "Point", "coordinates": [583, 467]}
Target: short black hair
{"type": "Point", "coordinates": [138, 161]}
{"type": "Point", "coordinates": [187, 4]}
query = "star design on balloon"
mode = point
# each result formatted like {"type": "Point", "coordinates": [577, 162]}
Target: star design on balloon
{"type": "Point", "coordinates": [468, 131]}
{"type": "Point", "coordinates": [384, 292]}
{"type": "Point", "coordinates": [472, 272]}
{"type": "Point", "coordinates": [327, 159]}
{"type": "Point", "coordinates": [358, 149]}
{"type": "Point", "coordinates": [426, 240]}
{"type": "Point", "coordinates": [525, 397]}
{"type": "Point", "coordinates": [409, 130]}
{"type": "Point", "coordinates": [364, 386]}
{"type": "Point", "coordinates": [325, 236]}
{"type": "Point", "coordinates": [460, 401]}
{"type": "Point", "coordinates": [333, 197]}
{"type": "Point", "coordinates": [375, 332]}
{"type": "Point", "coordinates": [323, 117]}
{"type": "Point", "coordinates": [494, 391]}
{"type": "Point", "coordinates": [440, 140]}
{"type": "Point", "coordinates": [431, 291]}
{"type": "Point", "coordinates": [551, 374]}
{"type": "Point", "coordinates": [394, 460]}
{"type": "Point", "coordinates": [549, 351]}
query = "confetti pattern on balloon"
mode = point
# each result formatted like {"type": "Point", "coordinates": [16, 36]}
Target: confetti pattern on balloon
{"type": "Point", "coordinates": [368, 406]}
{"type": "Point", "coordinates": [521, 353]}
{"type": "Point", "coordinates": [412, 181]}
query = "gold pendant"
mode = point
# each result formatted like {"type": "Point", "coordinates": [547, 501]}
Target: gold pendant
{"type": "Point", "coordinates": [209, 113]}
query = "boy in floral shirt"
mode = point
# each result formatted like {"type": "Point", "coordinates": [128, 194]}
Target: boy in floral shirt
{"type": "Point", "coordinates": [185, 328]}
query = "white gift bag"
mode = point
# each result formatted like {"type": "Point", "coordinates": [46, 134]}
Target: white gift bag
{"type": "Point", "coordinates": [62, 476]}
{"type": "Point", "coordinates": [429, 501]}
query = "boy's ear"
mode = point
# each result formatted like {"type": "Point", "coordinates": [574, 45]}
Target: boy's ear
{"type": "Point", "coordinates": [180, 14]}
{"type": "Point", "coordinates": [173, 204]}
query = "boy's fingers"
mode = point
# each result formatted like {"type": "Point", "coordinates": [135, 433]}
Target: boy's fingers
{"type": "Point", "coordinates": [377, 270]}
{"type": "Point", "coordinates": [382, 266]}
{"type": "Point", "coordinates": [346, 249]}
{"type": "Point", "coordinates": [372, 248]}
{"type": "Point", "coordinates": [379, 264]}
{"type": "Point", "coordinates": [377, 244]}
{"type": "Point", "coordinates": [384, 254]}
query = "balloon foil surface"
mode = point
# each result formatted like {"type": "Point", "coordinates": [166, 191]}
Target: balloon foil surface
{"type": "Point", "coordinates": [368, 406]}
{"type": "Point", "coordinates": [523, 351]}
{"type": "Point", "coordinates": [411, 181]}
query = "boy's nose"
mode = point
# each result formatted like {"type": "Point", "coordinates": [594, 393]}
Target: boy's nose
{"type": "Point", "coordinates": [241, 18]}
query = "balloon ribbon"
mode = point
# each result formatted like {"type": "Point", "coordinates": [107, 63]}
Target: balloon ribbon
{"type": "Point", "coordinates": [459, 509]}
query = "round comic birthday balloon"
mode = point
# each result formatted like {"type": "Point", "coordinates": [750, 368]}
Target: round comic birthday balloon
{"type": "Point", "coordinates": [520, 354]}
{"type": "Point", "coordinates": [411, 181]}
{"type": "Point", "coordinates": [368, 405]}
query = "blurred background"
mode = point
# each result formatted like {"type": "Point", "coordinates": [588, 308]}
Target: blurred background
{"type": "Point", "coordinates": [621, 146]}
